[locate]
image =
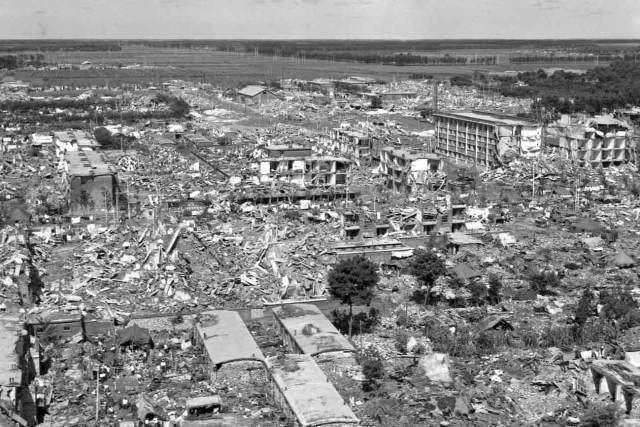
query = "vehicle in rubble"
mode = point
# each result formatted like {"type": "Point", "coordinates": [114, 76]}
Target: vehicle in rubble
{"type": "Point", "coordinates": [208, 411]}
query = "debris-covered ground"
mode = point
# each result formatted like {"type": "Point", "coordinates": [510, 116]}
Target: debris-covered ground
{"type": "Point", "coordinates": [507, 324]}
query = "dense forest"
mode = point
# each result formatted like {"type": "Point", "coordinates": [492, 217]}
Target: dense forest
{"type": "Point", "coordinates": [603, 88]}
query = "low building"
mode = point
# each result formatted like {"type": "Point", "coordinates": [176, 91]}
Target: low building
{"type": "Point", "coordinates": [255, 95]}
{"type": "Point", "coordinates": [93, 185]}
{"type": "Point", "coordinates": [305, 171]}
{"type": "Point", "coordinates": [225, 339]}
{"type": "Point", "coordinates": [375, 250]}
{"type": "Point", "coordinates": [411, 171]}
{"type": "Point", "coordinates": [305, 329]}
{"type": "Point", "coordinates": [485, 139]}
{"type": "Point", "coordinates": [303, 391]}
{"type": "Point", "coordinates": [41, 140]}
{"type": "Point", "coordinates": [54, 326]}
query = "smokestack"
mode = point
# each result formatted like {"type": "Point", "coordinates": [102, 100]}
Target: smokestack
{"type": "Point", "coordinates": [435, 96]}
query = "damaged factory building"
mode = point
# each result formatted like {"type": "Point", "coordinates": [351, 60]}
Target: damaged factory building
{"type": "Point", "coordinates": [485, 139]}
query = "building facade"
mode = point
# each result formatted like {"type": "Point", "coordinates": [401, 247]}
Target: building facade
{"type": "Point", "coordinates": [484, 139]}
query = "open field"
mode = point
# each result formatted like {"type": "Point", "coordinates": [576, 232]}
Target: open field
{"type": "Point", "coordinates": [228, 69]}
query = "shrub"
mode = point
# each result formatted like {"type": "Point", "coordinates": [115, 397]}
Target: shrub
{"type": "Point", "coordinates": [372, 368]}
{"type": "Point", "coordinates": [491, 341]}
{"type": "Point", "coordinates": [529, 338]}
{"type": "Point", "coordinates": [495, 289]}
{"type": "Point", "coordinates": [601, 415]}
{"type": "Point", "coordinates": [557, 336]}
{"type": "Point", "coordinates": [478, 293]}
{"type": "Point", "coordinates": [621, 307]}
{"type": "Point", "coordinates": [544, 282]}
{"type": "Point", "coordinates": [583, 310]}
{"type": "Point", "coordinates": [401, 339]}
{"type": "Point", "coordinates": [362, 321]}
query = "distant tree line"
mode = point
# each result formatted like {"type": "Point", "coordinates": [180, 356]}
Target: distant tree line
{"type": "Point", "coordinates": [11, 62]}
{"type": "Point", "coordinates": [58, 45]}
{"type": "Point", "coordinates": [602, 88]}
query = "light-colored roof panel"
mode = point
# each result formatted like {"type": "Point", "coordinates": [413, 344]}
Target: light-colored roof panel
{"type": "Point", "coordinates": [226, 337]}
{"type": "Point", "coordinates": [311, 397]}
{"type": "Point", "coordinates": [252, 90]}
{"type": "Point", "coordinates": [310, 329]}
{"type": "Point", "coordinates": [88, 163]}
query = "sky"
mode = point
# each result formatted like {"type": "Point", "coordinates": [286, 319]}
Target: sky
{"type": "Point", "coordinates": [321, 19]}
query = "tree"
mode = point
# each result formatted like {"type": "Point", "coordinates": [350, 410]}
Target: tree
{"type": "Point", "coordinates": [352, 281]}
{"type": "Point", "coordinates": [426, 267]}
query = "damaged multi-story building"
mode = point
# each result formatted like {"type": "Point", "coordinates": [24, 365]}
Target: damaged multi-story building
{"type": "Point", "coordinates": [411, 171]}
{"type": "Point", "coordinates": [299, 165]}
{"type": "Point", "coordinates": [92, 182]}
{"type": "Point", "coordinates": [598, 141]}
{"type": "Point", "coordinates": [485, 139]}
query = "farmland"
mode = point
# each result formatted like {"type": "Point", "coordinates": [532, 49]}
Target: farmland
{"type": "Point", "coordinates": [230, 69]}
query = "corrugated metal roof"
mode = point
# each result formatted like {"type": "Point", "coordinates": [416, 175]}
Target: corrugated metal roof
{"type": "Point", "coordinates": [310, 395]}
{"type": "Point", "coordinates": [226, 338]}
{"type": "Point", "coordinates": [310, 329]}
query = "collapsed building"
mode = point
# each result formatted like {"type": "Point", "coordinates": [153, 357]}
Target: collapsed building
{"type": "Point", "coordinates": [598, 141]}
{"type": "Point", "coordinates": [411, 171]}
{"type": "Point", "coordinates": [485, 139]}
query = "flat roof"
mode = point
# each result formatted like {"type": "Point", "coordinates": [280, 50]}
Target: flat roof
{"type": "Point", "coordinates": [310, 329]}
{"type": "Point", "coordinates": [411, 154]}
{"type": "Point", "coordinates": [88, 163]}
{"type": "Point", "coordinates": [487, 117]}
{"type": "Point", "coordinates": [10, 328]}
{"type": "Point", "coordinates": [226, 337]}
{"type": "Point", "coordinates": [310, 395]}
{"type": "Point", "coordinates": [307, 158]}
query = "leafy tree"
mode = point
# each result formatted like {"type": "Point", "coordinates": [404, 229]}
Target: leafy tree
{"type": "Point", "coordinates": [426, 267]}
{"type": "Point", "coordinates": [352, 281]}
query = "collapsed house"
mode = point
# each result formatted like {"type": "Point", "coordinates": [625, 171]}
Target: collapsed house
{"type": "Point", "coordinates": [485, 139]}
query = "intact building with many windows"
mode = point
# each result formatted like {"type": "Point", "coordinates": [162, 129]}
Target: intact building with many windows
{"type": "Point", "coordinates": [484, 138]}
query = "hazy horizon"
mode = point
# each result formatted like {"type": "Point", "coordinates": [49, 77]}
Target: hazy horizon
{"type": "Point", "coordinates": [320, 19]}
